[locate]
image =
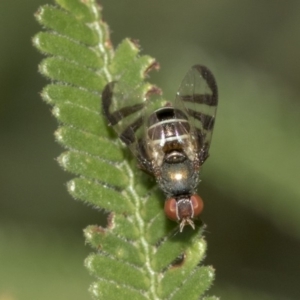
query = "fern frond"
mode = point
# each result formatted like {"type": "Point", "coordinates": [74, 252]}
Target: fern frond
{"type": "Point", "coordinates": [140, 254]}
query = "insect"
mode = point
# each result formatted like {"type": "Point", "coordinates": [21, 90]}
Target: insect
{"type": "Point", "coordinates": [170, 142]}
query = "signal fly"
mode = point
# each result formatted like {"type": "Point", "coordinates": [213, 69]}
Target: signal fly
{"type": "Point", "coordinates": [170, 142]}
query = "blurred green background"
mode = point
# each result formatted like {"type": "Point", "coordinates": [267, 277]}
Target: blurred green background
{"type": "Point", "coordinates": [250, 184]}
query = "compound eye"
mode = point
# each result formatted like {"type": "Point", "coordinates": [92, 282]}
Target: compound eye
{"type": "Point", "coordinates": [171, 209]}
{"type": "Point", "coordinates": [197, 204]}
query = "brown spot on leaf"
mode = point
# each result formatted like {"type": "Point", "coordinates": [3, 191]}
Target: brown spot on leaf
{"type": "Point", "coordinates": [154, 66]}
{"type": "Point", "coordinates": [154, 90]}
{"type": "Point", "coordinates": [135, 42]}
{"type": "Point", "coordinates": [110, 221]}
{"type": "Point", "coordinates": [98, 229]}
{"type": "Point", "coordinates": [178, 261]}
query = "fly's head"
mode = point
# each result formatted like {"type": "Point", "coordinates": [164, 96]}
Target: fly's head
{"type": "Point", "coordinates": [184, 209]}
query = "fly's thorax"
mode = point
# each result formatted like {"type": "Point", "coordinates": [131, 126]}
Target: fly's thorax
{"type": "Point", "coordinates": [177, 174]}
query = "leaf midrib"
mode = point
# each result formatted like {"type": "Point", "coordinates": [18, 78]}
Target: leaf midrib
{"type": "Point", "coordinates": [135, 198]}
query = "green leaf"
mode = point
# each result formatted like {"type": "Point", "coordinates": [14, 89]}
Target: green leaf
{"type": "Point", "coordinates": [67, 25]}
{"type": "Point", "coordinates": [83, 141]}
{"type": "Point", "coordinates": [60, 69]}
{"type": "Point", "coordinates": [57, 45]}
{"type": "Point", "coordinates": [140, 254]}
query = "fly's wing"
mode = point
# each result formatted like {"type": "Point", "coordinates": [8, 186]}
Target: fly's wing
{"type": "Point", "coordinates": [198, 94]}
{"type": "Point", "coordinates": [124, 109]}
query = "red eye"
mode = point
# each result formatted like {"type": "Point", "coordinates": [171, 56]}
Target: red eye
{"type": "Point", "coordinates": [197, 204]}
{"type": "Point", "coordinates": [171, 209]}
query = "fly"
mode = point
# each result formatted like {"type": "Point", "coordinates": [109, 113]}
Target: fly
{"type": "Point", "coordinates": [170, 142]}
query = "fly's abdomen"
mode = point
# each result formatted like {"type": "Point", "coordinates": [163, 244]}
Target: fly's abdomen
{"type": "Point", "coordinates": [167, 130]}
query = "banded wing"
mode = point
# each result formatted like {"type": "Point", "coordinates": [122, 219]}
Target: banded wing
{"type": "Point", "coordinates": [198, 94]}
{"type": "Point", "coordinates": [124, 108]}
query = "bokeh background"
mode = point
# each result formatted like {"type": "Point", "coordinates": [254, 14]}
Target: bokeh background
{"type": "Point", "coordinates": [250, 184]}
